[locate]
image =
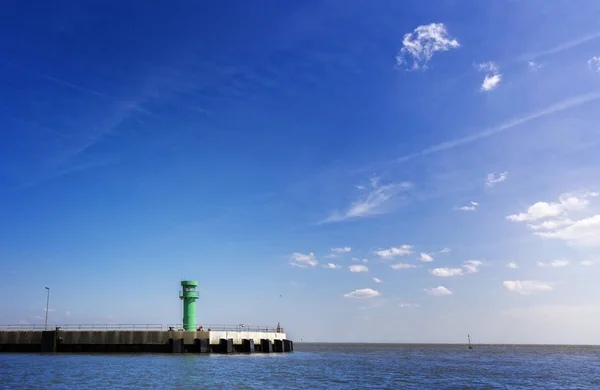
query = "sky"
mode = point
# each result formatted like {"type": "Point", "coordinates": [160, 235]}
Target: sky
{"type": "Point", "coordinates": [358, 171]}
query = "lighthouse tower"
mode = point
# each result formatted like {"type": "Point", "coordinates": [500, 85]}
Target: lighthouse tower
{"type": "Point", "coordinates": [189, 295]}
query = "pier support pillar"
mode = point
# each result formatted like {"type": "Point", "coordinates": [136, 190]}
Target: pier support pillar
{"type": "Point", "coordinates": [48, 341]}
{"type": "Point", "coordinates": [248, 345]}
{"type": "Point", "coordinates": [278, 346]}
{"type": "Point", "coordinates": [226, 346]}
{"type": "Point", "coordinates": [176, 345]}
{"type": "Point", "coordinates": [287, 346]}
{"type": "Point", "coordinates": [202, 345]}
{"type": "Point", "coordinates": [266, 346]}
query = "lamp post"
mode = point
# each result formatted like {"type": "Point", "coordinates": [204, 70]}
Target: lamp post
{"type": "Point", "coordinates": [47, 301]}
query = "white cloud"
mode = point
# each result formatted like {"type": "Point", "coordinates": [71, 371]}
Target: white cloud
{"type": "Point", "coordinates": [445, 250]}
{"type": "Point", "coordinates": [423, 43]}
{"type": "Point", "coordinates": [403, 266]}
{"type": "Point", "coordinates": [356, 259]}
{"type": "Point", "coordinates": [566, 202]}
{"type": "Point", "coordinates": [402, 250]}
{"type": "Point", "coordinates": [407, 305]}
{"type": "Point", "coordinates": [345, 249]}
{"type": "Point", "coordinates": [358, 268]}
{"type": "Point", "coordinates": [446, 272]}
{"type": "Point", "coordinates": [68, 313]}
{"type": "Point", "coordinates": [438, 291]}
{"type": "Point", "coordinates": [594, 63]}
{"type": "Point", "coordinates": [426, 257]}
{"type": "Point", "coordinates": [472, 207]}
{"type": "Point", "coordinates": [554, 264]}
{"type": "Point", "coordinates": [587, 263]}
{"type": "Point", "coordinates": [373, 203]}
{"type": "Point", "coordinates": [469, 266]}
{"type": "Point", "coordinates": [492, 179]}
{"type": "Point", "coordinates": [512, 265]}
{"type": "Point", "coordinates": [526, 287]}
{"type": "Point", "coordinates": [303, 261]}
{"type": "Point", "coordinates": [585, 232]}
{"type": "Point", "coordinates": [363, 293]}
{"type": "Point", "coordinates": [472, 266]}
{"type": "Point", "coordinates": [377, 280]}
{"type": "Point", "coordinates": [490, 82]}
{"type": "Point", "coordinates": [534, 65]}
{"type": "Point", "coordinates": [331, 266]}
{"type": "Point", "coordinates": [551, 224]}
{"type": "Point", "coordinates": [489, 67]}
{"type": "Point", "coordinates": [493, 76]}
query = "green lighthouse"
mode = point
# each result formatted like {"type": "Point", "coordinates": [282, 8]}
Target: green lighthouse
{"type": "Point", "coordinates": [189, 295]}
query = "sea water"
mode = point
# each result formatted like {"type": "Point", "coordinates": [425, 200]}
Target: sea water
{"type": "Point", "coordinates": [316, 366]}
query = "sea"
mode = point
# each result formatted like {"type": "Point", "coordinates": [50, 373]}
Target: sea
{"type": "Point", "coordinates": [316, 366]}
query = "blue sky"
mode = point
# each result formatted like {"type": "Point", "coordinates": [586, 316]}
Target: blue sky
{"type": "Point", "coordinates": [358, 171]}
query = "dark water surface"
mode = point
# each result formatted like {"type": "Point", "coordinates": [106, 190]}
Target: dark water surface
{"type": "Point", "coordinates": [317, 366]}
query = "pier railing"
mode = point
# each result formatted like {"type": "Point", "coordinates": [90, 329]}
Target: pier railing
{"type": "Point", "coordinates": [233, 328]}
{"type": "Point", "coordinates": [84, 327]}
{"type": "Point", "coordinates": [206, 327]}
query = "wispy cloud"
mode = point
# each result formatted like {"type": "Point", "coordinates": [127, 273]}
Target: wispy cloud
{"type": "Point", "coordinates": [358, 260]}
{"type": "Point", "coordinates": [526, 287]}
{"type": "Point", "coordinates": [554, 263]}
{"type": "Point", "coordinates": [420, 45]}
{"type": "Point", "coordinates": [472, 266]}
{"type": "Point", "coordinates": [408, 305]}
{"type": "Point", "coordinates": [446, 272]}
{"type": "Point", "coordinates": [363, 293]}
{"type": "Point", "coordinates": [512, 265]}
{"type": "Point", "coordinates": [372, 203]}
{"type": "Point", "coordinates": [345, 249]}
{"type": "Point", "coordinates": [594, 63]}
{"type": "Point", "coordinates": [492, 78]}
{"type": "Point", "coordinates": [472, 207]}
{"type": "Point", "coordinates": [469, 267]}
{"type": "Point", "coordinates": [331, 266]}
{"type": "Point", "coordinates": [438, 291]}
{"type": "Point", "coordinates": [557, 107]}
{"type": "Point", "coordinates": [358, 268]}
{"type": "Point", "coordinates": [301, 260]}
{"type": "Point", "coordinates": [403, 266]}
{"type": "Point", "coordinates": [492, 179]}
{"type": "Point", "coordinates": [377, 280]}
{"type": "Point", "coordinates": [392, 252]}
{"type": "Point", "coordinates": [534, 65]}
{"type": "Point", "coordinates": [338, 251]}
{"type": "Point", "coordinates": [426, 257]}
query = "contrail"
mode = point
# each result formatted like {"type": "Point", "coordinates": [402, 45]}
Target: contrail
{"type": "Point", "coordinates": [557, 107]}
{"type": "Point", "coordinates": [73, 86]}
{"type": "Point", "coordinates": [561, 47]}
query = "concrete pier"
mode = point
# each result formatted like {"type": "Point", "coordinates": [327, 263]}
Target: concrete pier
{"type": "Point", "coordinates": [226, 340]}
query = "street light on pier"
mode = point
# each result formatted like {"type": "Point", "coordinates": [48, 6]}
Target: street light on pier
{"type": "Point", "coordinates": [47, 302]}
